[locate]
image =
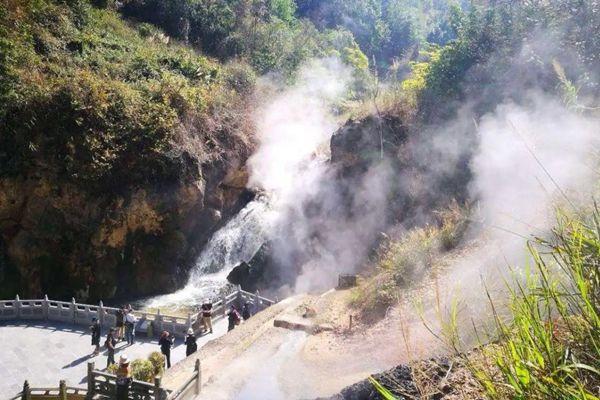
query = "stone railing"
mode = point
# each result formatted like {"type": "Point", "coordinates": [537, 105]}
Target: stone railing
{"type": "Point", "coordinates": [63, 392]}
{"type": "Point", "coordinates": [82, 314]}
{"type": "Point", "coordinates": [103, 385]}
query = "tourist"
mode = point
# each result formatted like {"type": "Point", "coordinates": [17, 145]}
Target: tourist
{"type": "Point", "coordinates": [207, 316]}
{"type": "Point", "coordinates": [233, 317]}
{"type": "Point", "coordinates": [110, 344]}
{"type": "Point", "coordinates": [124, 378]}
{"type": "Point", "coordinates": [96, 334]}
{"type": "Point", "coordinates": [246, 314]}
{"type": "Point", "coordinates": [190, 343]}
{"type": "Point", "coordinates": [130, 321]}
{"type": "Point", "coordinates": [120, 324]}
{"type": "Point", "coordinates": [166, 342]}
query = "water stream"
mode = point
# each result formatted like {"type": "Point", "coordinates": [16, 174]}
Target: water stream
{"type": "Point", "coordinates": [237, 241]}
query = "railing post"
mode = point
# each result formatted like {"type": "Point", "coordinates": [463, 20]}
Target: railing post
{"type": "Point", "coordinates": [159, 322]}
{"type": "Point", "coordinates": [256, 301]}
{"type": "Point", "coordinates": [198, 377]}
{"type": "Point", "coordinates": [62, 390]}
{"type": "Point", "coordinates": [73, 309]}
{"type": "Point", "coordinates": [90, 380]}
{"type": "Point", "coordinates": [26, 394]}
{"type": "Point", "coordinates": [17, 306]}
{"type": "Point", "coordinates": [224, 301]}
{"type": "Point", "coordinates": [101, 313]}
{"type": "Point", "coordinates": [46, 307]}
{"type": "Point", "coordinates": [158, 392]}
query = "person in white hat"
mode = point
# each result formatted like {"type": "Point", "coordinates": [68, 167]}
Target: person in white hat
{"type": "Point", "coordinates": [124, 378]}
{"type": "Point", "coordinates": [207, 316]}
{"type": "Point", "coordinates": [190, 343]}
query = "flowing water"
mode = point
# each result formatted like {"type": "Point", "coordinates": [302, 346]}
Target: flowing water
{"type": "Point", "coordinates": [237, 241]}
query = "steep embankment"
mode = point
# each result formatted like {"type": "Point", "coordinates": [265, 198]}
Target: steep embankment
{"type": "Point", "coordinates": [120, 152]}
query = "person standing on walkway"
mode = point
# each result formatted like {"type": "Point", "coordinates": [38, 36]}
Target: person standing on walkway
{"type": "Point", "coordinates": [130, 321]}
{"type": "Point", "coordinates": [233, 318]}
{"type": "Point", "coordinates": [124, 378]}
{"type": "Point", "coordinates": [207, 316]}
{"type": "Point", "coordinates": [190, 343]}
{"type": "Point", "coordinates": [96, 334]}
{"type": "Point", "coordinates": [110, 344]}
{"type": "Point", "coordinates": [166, 342]}
{"type": "Point", "coordinates": [246, 314]}
{"type": "Point", "coordinates": [120, 314]}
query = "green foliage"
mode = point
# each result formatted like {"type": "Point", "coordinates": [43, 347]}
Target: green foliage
{"type": "Point", "coordinates": [157, 359]}
{"type": "Point", "coordinates": [551, 346]}
{"type": "Point", "coordinates": [142, 370]}
{"type": "Point", "coordinates": [488, 49]}
{"type": "Point", "coordinates": [93, 100]}
{"type": "Point", "coordinates": [385, 394]}
{"type": "Point", "coordinates": [112, 369]}
{"type": "Point", "coordinates": [284, 10]}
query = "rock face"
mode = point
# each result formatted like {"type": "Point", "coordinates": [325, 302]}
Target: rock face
{"type": "Point", "coordinates": [60, 238]}
{"type": "Point", "coordinates": [257, 274]}
{"type": "Point", "coordinates": [440, 378]}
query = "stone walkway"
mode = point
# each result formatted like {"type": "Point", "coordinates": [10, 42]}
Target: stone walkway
{"type": "Point", "coordinates": [45, 352]}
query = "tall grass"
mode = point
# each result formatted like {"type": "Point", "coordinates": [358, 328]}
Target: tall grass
{"type": "Point", "coordinates": [546, 346]}
{"type": "Point", "coordinates": [550, 346]}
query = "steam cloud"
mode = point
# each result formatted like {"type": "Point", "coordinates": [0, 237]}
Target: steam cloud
{"type": "Point", "coordinates": [524, 158]}
{"type": "Point", "coordinates": [312, 230]}
{"type": "Point", "coordinates": [530, 158]}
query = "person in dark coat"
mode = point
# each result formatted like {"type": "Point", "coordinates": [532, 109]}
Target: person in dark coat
{"type": "Point", "coordinates": [233, 317]}
{"type": "Point", "coordinates": [166, 342]}
{"type": "Point", "coordinates": [96, 334]}
{"type": "Point", "coordinates": [110, 344]}
{"type": "Point", "coordinates": [246, 314]}
{"type": "Point", "coordinates": [190, 343]}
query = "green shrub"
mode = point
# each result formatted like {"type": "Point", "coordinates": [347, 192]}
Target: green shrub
{"type": "Point", "coordinates": [112, 369]}
{"type": "Point", "coordinates": [157, 359]}
{"type": "Point", "coordinates": [142, 370]}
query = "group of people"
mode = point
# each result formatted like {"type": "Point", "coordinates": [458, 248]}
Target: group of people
{"type": "Point", "coordinates": [233, 315]}
{"type": "Point", "coordinates": [125, 330]}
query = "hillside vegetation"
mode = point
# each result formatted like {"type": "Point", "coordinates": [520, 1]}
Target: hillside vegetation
{"type": "Point", "coordinates": [112, 136]}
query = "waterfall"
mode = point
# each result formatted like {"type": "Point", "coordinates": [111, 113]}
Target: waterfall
{"type": "Point", "coordinates": [237, 241]}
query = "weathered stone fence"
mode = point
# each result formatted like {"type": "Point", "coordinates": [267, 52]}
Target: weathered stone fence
{"type": "Point", "coordinates": [101, 385]}
{"type": "Point", "coordinates": [148, 322]}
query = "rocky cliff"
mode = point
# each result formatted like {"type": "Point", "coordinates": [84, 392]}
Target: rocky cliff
{"type": "Point", "coordinates": [120, 153]}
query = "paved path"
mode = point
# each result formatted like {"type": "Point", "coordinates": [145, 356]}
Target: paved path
{"type": "Point", "coordinates": [45, 352]}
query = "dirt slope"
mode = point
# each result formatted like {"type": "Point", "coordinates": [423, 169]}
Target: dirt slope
{"type": "Point", "coordinates": [260, 361]}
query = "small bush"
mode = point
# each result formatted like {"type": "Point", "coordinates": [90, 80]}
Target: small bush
{"type": "Point", "coordinates": [112, 369]}
{"type": "Point", "coordinates": [142, 370]}
{"type": "Point", "coordinates": [158, 362]}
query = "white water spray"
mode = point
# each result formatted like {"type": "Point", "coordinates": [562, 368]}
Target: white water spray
{"type": "Point", "coordinates": [237, 241]}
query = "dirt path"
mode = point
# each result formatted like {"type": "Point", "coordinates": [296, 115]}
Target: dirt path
{"type": "Point", "coordinates": [259, 361]}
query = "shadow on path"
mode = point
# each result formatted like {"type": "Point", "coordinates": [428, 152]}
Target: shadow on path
{"type": "Point", "coordinates": [78, 361]}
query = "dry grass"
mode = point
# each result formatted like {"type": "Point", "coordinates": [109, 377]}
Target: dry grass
{"type": "Point", "coordinates": [404, 262]}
